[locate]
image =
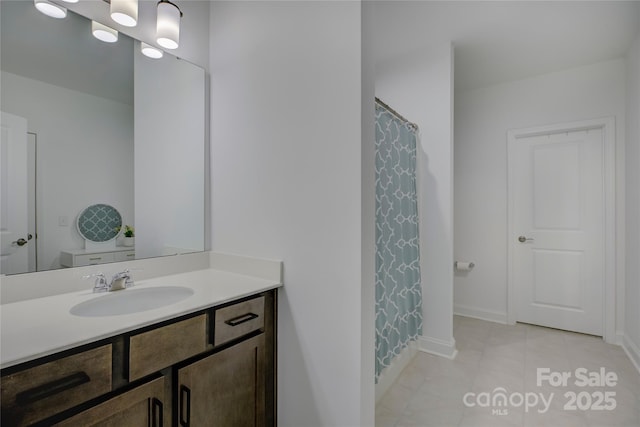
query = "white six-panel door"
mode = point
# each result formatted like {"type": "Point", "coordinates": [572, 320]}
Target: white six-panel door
{"type": "Point", "coordinates": [558, 229]}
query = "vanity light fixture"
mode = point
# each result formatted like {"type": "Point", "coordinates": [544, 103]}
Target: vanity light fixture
{"type": "Point", "coordinates": [71, 1]}
{"type": "Point", "coordinates": [150, 51]}
{"type": "Point", "coordinates": [168, 25]}
{"type": "Point", "coordinates": [125, 12]}
{"type": "Point", "coordinates": [103, 33]}
{"type": "Point", "coordinates": [50, 9]}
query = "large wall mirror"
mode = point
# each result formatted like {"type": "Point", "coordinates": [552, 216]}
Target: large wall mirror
{"type": "Point", "coordinates": [95, 137]}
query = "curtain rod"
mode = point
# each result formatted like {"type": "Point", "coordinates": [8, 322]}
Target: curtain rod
{"type": "Point", "coordinates": [395, 113]}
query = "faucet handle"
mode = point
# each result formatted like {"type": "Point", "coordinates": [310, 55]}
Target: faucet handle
{"type": "Point", "coordinates": [100, 284]}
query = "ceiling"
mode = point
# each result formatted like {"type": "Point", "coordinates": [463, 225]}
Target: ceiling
{"type": "Point", "coordinates": [498, 41]}
{"type": "Point", "coordinates": [495, 41]}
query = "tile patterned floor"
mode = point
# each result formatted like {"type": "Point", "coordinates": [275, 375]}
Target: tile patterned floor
{"type": "Point", "coordinates": [431, 389]}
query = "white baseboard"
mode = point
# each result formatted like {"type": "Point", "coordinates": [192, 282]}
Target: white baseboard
{"type": "Point", "coordinates": [391, 373]}
{"type": "Point", "coordinates": [477, 313]}
{"type": "Point", "coordinates": [632, 350]}
{"type": "Point", "coordinates": [619, 339]}
{"type": "Point", "coordinates": [438, 347]}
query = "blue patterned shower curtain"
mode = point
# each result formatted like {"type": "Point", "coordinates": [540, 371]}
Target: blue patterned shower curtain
{"type": "Point", "coordinates": [398, 285]}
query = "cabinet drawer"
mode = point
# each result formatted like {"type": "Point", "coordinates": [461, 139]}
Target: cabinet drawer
{"type": "Point", "coordinates": [158, 348]}
{"type": "Point", "coordinates": [238, 319]}
{"type": "Point", "coordinates": [39, 392]}
{"type": "Point", "coordinates": [124, 256]}
{"type": "Point", "coordinates": [91, 259]}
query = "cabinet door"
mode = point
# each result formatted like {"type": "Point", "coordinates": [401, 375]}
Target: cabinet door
{"type": "Point", "coordinates": [224, 389]}
{"type": "Point", "coordinates": [138, 407]}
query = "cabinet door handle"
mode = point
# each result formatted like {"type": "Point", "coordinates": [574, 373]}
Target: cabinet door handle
{"type": "Point", "coordinates": [52, 388]}
{"type": "Point", "coordinates": [185, 406]}
{"type": "Point", "coordinates": [156, 413]}
{"type": "Point", "coordinates": [241, 319]}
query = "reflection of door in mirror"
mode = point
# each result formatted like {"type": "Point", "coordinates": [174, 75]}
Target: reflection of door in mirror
{"type": "Point", "coordinates": [14, 185]}
{"type": "Point", "coordinates": [32, 236]}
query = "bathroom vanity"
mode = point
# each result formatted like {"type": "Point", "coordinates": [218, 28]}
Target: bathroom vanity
{"type": "Point", "coordinates": [208, 359]}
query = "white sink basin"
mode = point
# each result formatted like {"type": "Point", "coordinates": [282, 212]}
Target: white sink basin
{"type": "Point", "coordinates": [130, 301]}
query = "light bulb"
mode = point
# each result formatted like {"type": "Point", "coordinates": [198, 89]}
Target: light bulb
{"type": "Point", "coordinates": [125, 12]}
{"type": "Point", "coordinates": [168, 25]}
{"type": "Point", "coordinates": [150, 51]}
{"type": "Point", "coordinates": [50, 9]}
{"type": "Point", "coordinates": [104, 33]}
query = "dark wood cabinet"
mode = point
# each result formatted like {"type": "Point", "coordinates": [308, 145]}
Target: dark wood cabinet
{"type": "Point", "coordinates": [214, 367]}
{"type": "Point", "coordinates": [225, 389]}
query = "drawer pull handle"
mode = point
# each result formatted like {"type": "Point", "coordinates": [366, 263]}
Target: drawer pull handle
{"type": "Point", "coordinates": [43, 391]}
{"type": "Point", "coordinates": [241, 319]}
{"type": "Point", "coordinates": [185, 399]}
{"type": "Point", "coordinates": [157, 413]}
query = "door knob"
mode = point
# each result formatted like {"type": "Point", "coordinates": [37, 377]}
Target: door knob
{"type": "Point", "coordinates": [523, 239]}
{"type": "Point", "coordinates": [20, 242]}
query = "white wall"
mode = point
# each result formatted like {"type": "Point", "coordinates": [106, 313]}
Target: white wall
{"type": "Point", "coordinates": [483, 117]}
{"type": "Point", "coordinates": [287, 184]}
{"type": "Point", "coordinates": [632, 154]}
{"type": "Point", "coordinates": [169, 156]}
{"type": "Point", "coordinates": [72, 127]}
{"type": "Point", "coordinates": [420, 87]}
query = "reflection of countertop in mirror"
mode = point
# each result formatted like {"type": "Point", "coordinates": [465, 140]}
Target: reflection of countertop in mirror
{"type": "Point", "coordinates": [38, 327]}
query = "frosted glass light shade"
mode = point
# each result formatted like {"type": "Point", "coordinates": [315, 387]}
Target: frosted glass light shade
{"type": "Point", "coordinates": [150, 51]}
{"type": "Point", "coordinates": [125, 12]}
{"type": "Point", "coordinates": [71, 1]}
{"type": "Point", "coordinates": [168, 25]}
{"type": "Point", "coordinates": [103, 33]}
{"type": "Point", "coordinates": [50, 9]}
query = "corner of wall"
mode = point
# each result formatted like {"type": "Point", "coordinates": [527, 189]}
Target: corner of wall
{"type": "Point", "coordinates": [631, 330]}
{"type": "Point", "coordinates": [368, 393]}
{"type": "Point", "coordinates": [442, 348]}
{"type": "Point", "coordinates": [633, 351]}
{"type": "Point", "coordinates": [391, 373]}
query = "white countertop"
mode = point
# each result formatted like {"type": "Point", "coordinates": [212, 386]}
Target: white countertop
{"type": "Point", "coordinates": [39, 327]}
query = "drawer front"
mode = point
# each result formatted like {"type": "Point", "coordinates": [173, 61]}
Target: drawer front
{"type": "Point", "coordinates": [156, 349]}
{"type": "Point", "coordinates": [125, 256]}
{"type": "Point", "coordinates": [91, 259]}
{"type": "Point", "coordinates": [39, 392]}
{"type": "Point", "coordinates": [238, 319]}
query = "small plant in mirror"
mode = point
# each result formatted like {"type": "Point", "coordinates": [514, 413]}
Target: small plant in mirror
{"type": "Point", "coordinates": [128, 231]}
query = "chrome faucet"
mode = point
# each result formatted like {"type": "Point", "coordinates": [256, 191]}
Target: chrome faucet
{"type": "Point", "coordinates": [119, 281]}
{"type": "Point", "coordinates": [100, 284]}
